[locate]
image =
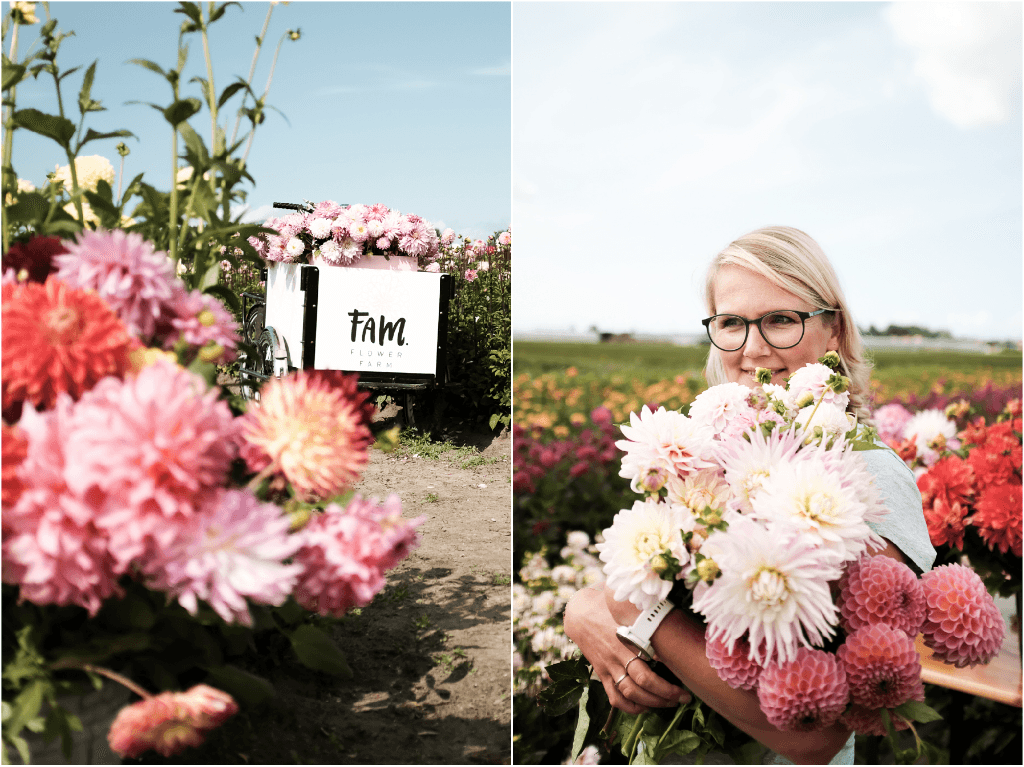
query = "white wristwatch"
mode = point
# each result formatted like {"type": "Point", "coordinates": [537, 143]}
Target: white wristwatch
{"type": "Point", "coordinates": [638, 636]}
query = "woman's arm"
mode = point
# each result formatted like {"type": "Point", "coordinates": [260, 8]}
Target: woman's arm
{"type": "Point", "coordinates": [679, 643]}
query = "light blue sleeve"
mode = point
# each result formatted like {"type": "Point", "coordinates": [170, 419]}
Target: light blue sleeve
{"type": "Point", "coordinates": [904, 525]}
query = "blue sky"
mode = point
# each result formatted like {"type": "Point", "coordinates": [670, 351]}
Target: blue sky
{"type": "Point", "coordinates": [654, 134]}
{"type": "Point", "coordinates": [406, 104]}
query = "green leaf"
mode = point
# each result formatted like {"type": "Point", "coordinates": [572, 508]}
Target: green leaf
{"type": "Point", "coordinates": [225, 94]}
{"type": "Point", "coordinates": [31, 207]}
{"type": "Point", "coordinates": [918, 712]}
{"type": "Point", "coordinates": [12, 74]}
{"type": "Point", "coordinates": [226, 295]}
{"type": "Point", "coordinates": [199, 156]}
{"type": "Point", "coordinates": [26, 706]}
{"type": "Point", "coordinates": [247, 688]}
{"type": "Point", "coordinates": [181, 110]}
{"type": "Point", "coordinates": [318, 651]}
{"type": "Point", "coordinates": [57, 128]}
{"type": "Point", "coordinates": [91, 135]}
{"type": "Point", "coordinates": [582, 726]}
{"type": "Point", "coordinates": [85, 102]}
{"type": "Point", "coordinates": [219, 10]}
{"type": "Point", "coordinates": [150, 65]}
{"type": "Point", "coordinates": [679, 742]}
{"type": "Point", "coordinates": [568, 681]}
{"type": "Point", "coordinates": [192, 11]}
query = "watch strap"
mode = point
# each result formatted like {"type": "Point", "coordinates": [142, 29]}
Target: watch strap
{"type": "Point", "coordinates": [643, 628]}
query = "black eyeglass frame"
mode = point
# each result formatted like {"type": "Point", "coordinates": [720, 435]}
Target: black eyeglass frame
{"type": "Point", "coordinates": [804, 316]}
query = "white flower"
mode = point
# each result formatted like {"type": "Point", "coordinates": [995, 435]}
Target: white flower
{"type": "Point", "coordinates": [932, 432]}
{"type": "Point", "coordinates": [295, 248]}
{"type": "Point", "coordinates": [809, 494]}
{"type": "Point", "coordinates": [813, 378]}
{"type": "Point", "coordinates": [563, 574]}
{"type": "Point", "coordinates": [748, 463]}
{"type": "Point", "coordinates": [591, 575]}
{"type": "Point", "coordinates": [351, 250]}
{"type": "Point", "coordinates": [717, 406]}
{"type": "Point", "coordinates": [695, 491]}
{"type": "Point", "coordinates": [89, 170]}
{"type": "Point", "coordinates": [330, 252]}
{"type": "Point", "coordinates": [636, 544]}
{"type": "Point", "coordinates": [578, 540]}
{"type": "Point", "coordinates": [773, 584]}
{"type": "Point", "coordinates": [664, 438]}
{"type": "Point", "coordinates": [833, 420]}
{"type": "Point", "coordinates": [320, 227]}
{"type": "Point", "coordinates": [375, 228]}
{"type": "Point", "coordinates": [544, 603]}
{"type": "Point", "coordinates": [27, 11]}
{"type": "Point", "coordinates": [483, 266]}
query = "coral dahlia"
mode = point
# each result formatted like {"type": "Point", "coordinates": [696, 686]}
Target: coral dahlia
{"type": "Point", "coordinates": [881, 590]}
{"type": "Point", "coordinates": [807, 693]}
{"type": "Point", "coordinates": [15, 448]}
{"type": "Point", "coordinates": [314, 427]}
{"type": "Point", "coordinates": [58, 339]}
{"type": "Point", "coordinates": [733, 664]}
{"type": "Point", "coordinates": [950, 478]}
{"type": "Point", "coordinates": [963, 625]}
{"type": "Point", "coordinates": [997, 516]}
{"type": "Point", "coordinates": [945, 523]}
{"type": "Point", "coordinates": [882, 667]}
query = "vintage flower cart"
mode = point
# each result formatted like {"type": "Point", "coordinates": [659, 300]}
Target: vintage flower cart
{"type": "Point", "coordinates": [385, 321]}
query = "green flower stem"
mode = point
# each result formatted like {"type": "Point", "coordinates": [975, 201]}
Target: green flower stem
{"type": "Point", "coordinates": [9, 130]}
{"type": "Point", "coordinates": [266, 90]}
{"type": "Point", "coordinates": [172, 246]}
{"type": "Point", "coordinates": [634, 734]}
{"type": "Point", "coordinates": [108, 673]}
{"type": "Point", "coordinates": [675, 720]}
{"type": "Point", "coordinates": [252, 69]}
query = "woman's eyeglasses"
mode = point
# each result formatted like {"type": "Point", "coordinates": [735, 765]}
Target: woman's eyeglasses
{"type": "Point", "coordinates": [781, 329]}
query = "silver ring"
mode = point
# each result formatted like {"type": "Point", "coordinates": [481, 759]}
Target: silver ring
{"type": "Point", "coordinates": [615, 684]}
{"type": "Point", "coordinates": [635, 657]}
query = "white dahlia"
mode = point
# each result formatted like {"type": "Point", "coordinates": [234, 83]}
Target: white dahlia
{"type": "Point", "coordinates": [718, 406]}
{"type": "Point", "coordinates": [634, 551]}
{"type": "Point", "coordinates": [698, 490]}
{"type": "Point", "coordinates": [774, 585]}
{"type": "Point", "coordinates": [809, 494]}
{"type": "Point", "coordinates": [813, 379]}
{"type": "Point", "coordinates": [748, 463]}
{"type": "Point", "coordinates": [833, 420]}
{"type": "Point", "coordinates": [932, 432]}
{"type": "Point", "coordinates": [664, 438]}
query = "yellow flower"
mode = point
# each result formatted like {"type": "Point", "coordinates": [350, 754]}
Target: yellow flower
{"type": "Point", "coordinates": [23, 186]}
{"type": "Point", "coordinates": [24, 12]}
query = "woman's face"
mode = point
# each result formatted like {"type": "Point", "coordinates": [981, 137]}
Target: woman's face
{"type": "Point", "coordinates": [747, 294]}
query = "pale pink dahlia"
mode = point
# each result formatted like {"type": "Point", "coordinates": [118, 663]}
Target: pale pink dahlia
{"type": "Point", "coordinates": [232, 550]}
{"type": "Point", "coordinates": [890, 420]}
{"type": "Point", "coordinates": [125, 271]}
{"type": "Point", "coordinates": [664, 438]}
{"type": "Point", "coordinates": [344, 555]}
{"type": "Point", "coordinates": [804, 694]}
{"type": "Point", "coordinates": [719, 406]}
{"type": "Point", "coordinates": [963, 625]}
{"type": "Point", "coordinates": [868, 721]}
{"type": "Point", "coordinates": [201, 321]}
{"type": "Point", "coordinates": [170, 722]}
{"type": "Point", "coordinates": [734, 666]}
{"type": "Point", "coordinates": [882, 666]}
{"type": "Point", "coordinates": [314, 426]}
{"type": "Point", "coordinates": [52, 547]}
{"type": "Point", "coordinates": [881, 590]}
{"type": "Point", "coordinates": [159, 443]}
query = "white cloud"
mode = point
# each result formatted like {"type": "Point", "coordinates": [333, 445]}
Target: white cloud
{"type": "Point", "coordinates": [495, 71]}
{"type": "Point", "coordinates": [967, 54]}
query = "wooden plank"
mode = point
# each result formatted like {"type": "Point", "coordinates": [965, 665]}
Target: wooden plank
{"type": "Point", "coordinates": [999, 680]}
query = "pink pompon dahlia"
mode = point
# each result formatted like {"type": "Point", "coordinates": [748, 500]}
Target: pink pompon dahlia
{"type": "Point", "coordinates": [58, 339]}
{"type": "Point", "coordinates": [170, 722]}
{"type": "Point", "coordinates": [963, 625]}
{"type": "Point", "coordinates": [805, 694]}
{"type": "Point", "coordinates": [314, 427]}
{"type": "Point", "coordinates": [345, 552]}
{"type": "Point", "coordinates": [881, 590]}
{"type": "Point", "coordinates": [734, 666]}
{"type": "Point", "coordinates": [882, 666]}
{"type": "Point", "coordinates": [234, 549]}
{"type": "Point", "coordinates": [868, 721]}
{"type": "Point", "coordinates": [125, 271]}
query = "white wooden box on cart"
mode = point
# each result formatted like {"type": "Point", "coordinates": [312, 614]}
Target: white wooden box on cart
{"type": "Point", "coordinates": [389, 324]}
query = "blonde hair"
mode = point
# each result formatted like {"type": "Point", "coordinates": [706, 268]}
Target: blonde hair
{"type": "Point", "coordinates": [796, 263]}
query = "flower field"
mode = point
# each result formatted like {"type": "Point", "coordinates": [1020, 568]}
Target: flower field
{"type": "Point", "coordinates": [569, 400]}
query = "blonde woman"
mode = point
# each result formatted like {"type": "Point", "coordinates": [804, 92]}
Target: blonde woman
{"type": "Point", "coordinates": [774, 302]}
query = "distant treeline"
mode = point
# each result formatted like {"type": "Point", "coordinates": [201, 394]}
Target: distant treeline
{"type": "Point", "coordinates": [906, 330]}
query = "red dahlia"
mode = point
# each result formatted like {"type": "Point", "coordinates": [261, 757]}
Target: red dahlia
{"type": "Point", "coordinates": [945, 523]}
{"type": "Point", "coordinates": [15, 448]}
{"type": "Point", "coordinates": [58, 339]}
{"type": "Point", "coordinates": [33, 259]}
{"type": "Point", "coordinates": [998, 517]}
{"type": "Point", "coordinates": [950, 478]}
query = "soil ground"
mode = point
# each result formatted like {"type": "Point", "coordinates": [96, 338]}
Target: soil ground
{"type": "Point", "coordinates": [430, 656]}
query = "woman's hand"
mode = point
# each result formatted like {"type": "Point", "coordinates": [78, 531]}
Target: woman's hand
{"type": "Point", "coordinates": [591, 626]}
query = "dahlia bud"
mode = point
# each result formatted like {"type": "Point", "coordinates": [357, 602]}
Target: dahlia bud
{"type": "Point", "coordinates": [830, 359]}
{"type": "Point", "coordinates": [653, 479]}
{"type": "Point", "coordinates": [838, 383]}
{"type": "Point", "coordinates": [707, 570]}
{"type": "Point", "coordinates": [805, 400]}
{"type": "Point", "coordinates": [763, 375]}
{"type": "Point", "coordinates": [122, 149]}
{"type": "Point", "coordinates": [711, 517]}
